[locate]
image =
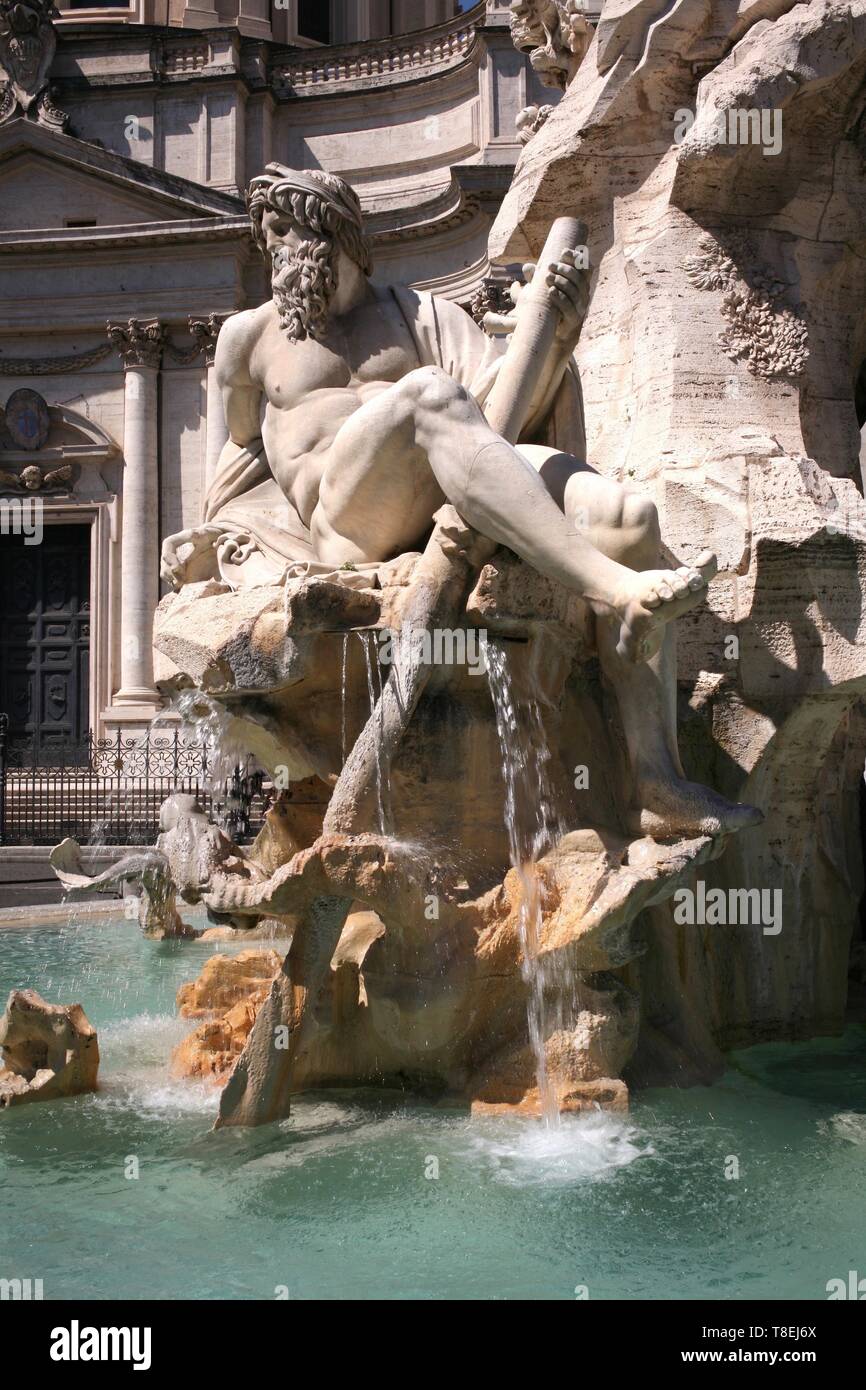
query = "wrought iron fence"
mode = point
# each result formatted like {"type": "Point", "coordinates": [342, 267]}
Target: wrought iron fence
{"type": "Point", "coordinates": [109, 791]}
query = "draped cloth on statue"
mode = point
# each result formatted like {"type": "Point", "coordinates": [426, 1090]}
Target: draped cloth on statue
{"type": "Point", "coordinates": [263, 540]}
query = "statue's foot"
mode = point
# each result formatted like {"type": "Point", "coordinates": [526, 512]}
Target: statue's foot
{"type": "Point", "coordinates": [656, 597]}
{"type": "Point", "coordinates": [669, 809]}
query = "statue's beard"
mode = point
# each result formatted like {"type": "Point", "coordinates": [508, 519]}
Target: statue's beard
{"type": "Point", "coordinates": [303, 283]}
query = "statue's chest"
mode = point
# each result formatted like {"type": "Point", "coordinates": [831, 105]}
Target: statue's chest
{"type": "Point", "coordinates": [294, 370]}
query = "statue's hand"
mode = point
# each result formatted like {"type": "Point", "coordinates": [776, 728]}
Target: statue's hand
{"type": "Point", "coordinates": [199, 561]}
{"type": "Point", "coordinates": [568, 288]}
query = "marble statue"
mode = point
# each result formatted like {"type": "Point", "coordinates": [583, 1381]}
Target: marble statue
{"type": "Point", "coordinates": [374, 417]}
{"type": "Point", "coordinates": [390, 466]}
{"type": "Point", "coordinates": [189, 850]}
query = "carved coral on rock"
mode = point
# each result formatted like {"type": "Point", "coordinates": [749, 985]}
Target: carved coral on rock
{"type": "Point", "coordinates": [772, 340]}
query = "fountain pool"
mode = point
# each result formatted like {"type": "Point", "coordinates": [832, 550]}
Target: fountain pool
{"type": "Point", "coordinates": [343, 1201]}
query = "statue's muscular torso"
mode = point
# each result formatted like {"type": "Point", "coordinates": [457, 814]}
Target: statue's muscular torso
{"type": "Point", "coordinates": [310, 388]}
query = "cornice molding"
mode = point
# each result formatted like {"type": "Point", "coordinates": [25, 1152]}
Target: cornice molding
{"type": "Point", "coordinates": [134, 237]}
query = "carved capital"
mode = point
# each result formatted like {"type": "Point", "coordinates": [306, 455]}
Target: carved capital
{"type": "Point", "coordinates": [206, 331]}
{"type": "Point", "coordinates": [139, 344]}
{"type": "Point", "coordinates": [27, 47]}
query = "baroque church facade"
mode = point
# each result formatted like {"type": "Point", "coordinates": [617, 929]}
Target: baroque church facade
{"type": "Point", "coordinates": [127, 139]}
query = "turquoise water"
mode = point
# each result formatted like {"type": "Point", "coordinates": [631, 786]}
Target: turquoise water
{"type": "Point", "coordinates": [340, 1201]}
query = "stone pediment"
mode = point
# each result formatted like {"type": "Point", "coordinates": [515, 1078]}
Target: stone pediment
{"type": "Point", "coordinates": [48, 180]}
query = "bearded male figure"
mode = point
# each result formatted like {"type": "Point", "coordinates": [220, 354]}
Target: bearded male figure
{"type": "Point", "coordinates": [373, 419]}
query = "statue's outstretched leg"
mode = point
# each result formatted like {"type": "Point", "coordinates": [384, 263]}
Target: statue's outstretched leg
{"type": "Point", "coordinates": [425, 440]}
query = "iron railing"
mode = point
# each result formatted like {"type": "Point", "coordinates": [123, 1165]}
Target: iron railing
{"type": "Point", "coordinates": [109, 790]}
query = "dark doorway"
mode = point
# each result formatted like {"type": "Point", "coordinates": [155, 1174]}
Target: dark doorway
{"type": "Point", "coordinates": [45, 636]}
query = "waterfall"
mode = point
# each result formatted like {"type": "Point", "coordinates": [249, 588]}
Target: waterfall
{"type": "Point", "coordinates": [210, 724]}
{"type": "Point", "coordinates": [343, 671]}
{"type": "Point", "coordinates": [225, 759]}
{"type": "Point", "coordinates": [374, 691]}
{"type": "Point", "coordinates": [533, 826]}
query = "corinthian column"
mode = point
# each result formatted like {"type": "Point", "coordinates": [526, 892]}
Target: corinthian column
{"type": "Point", "coordinates": [206, 332]}
{"type": "Point", "coordinates": [140, 346]}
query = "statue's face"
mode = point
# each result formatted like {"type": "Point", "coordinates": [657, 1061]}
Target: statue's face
{"type": "Point", "coordinates": [304, 273]}
{"type": "Point", "coordinates": [280, 230]}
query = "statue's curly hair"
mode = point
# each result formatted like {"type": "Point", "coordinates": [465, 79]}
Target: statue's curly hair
{"type": "Point", "coordinates": [318, 215]}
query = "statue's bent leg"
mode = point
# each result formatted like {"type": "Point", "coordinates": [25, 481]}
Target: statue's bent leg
{"type": "Point", "coordinates": [425, 439]}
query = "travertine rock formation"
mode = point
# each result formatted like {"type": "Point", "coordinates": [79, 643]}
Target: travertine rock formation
{"type": "Point", "coordinates": [224, 980]}
{"type": "Point", "coordinates": [48, 1050]}
{"type": "Point", "coordinates": [227, 995]}
{"type": "Point", "coordinates": [716, 154]}
{"type": "Point", "coordinates": [432, 980]}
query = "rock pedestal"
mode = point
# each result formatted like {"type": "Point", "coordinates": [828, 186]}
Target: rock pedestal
{"type": "Point", "coordinates": [412, 955]}
{"type": "Point", "coordinates": [227, 995]}
{"type": "Point", "coordinates": [48, 1050]}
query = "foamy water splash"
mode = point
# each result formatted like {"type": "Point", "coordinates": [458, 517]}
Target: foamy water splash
{"type": "Point", "coordinates": [138, 1076]}
{"type": "Point", "coordinates": [849, 1125]}
{"type": "Point", "coordinates": [516, 1151]}
{"type": "Point", "coordinates": [581, 1148]}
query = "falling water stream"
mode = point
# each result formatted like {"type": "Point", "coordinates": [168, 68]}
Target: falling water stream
{"type": "Point", "coordinates": [343, 673]}
{"type": "Point", "coordinates": [210, 725]}
{"type": "Point", "coordinates": [533, 826]}
{"type": "Point", "coordinates": [374, 692]}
